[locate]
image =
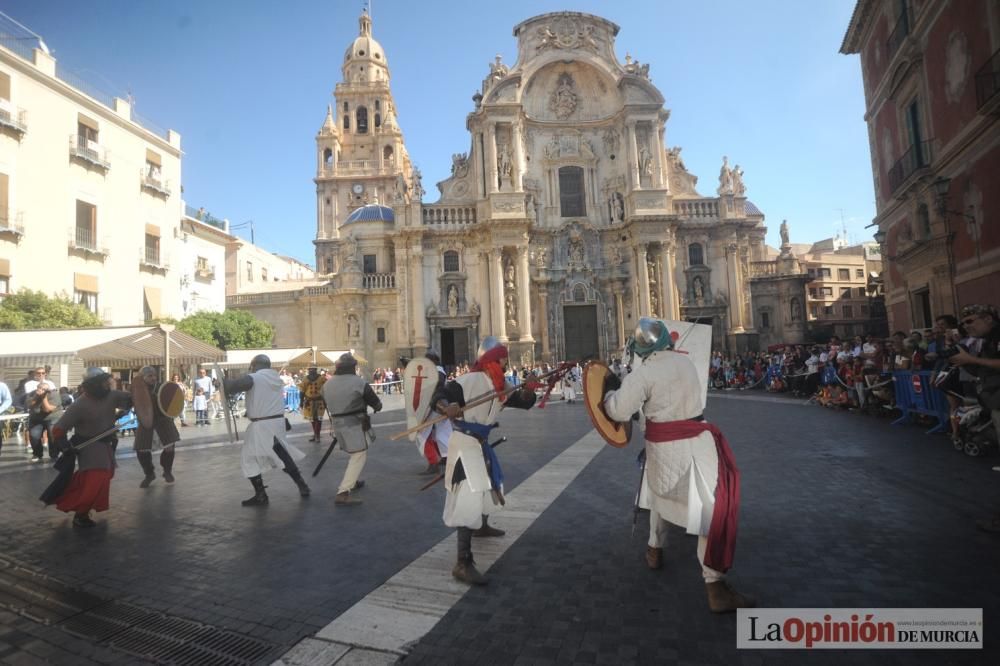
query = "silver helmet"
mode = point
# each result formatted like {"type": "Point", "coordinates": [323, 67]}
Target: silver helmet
{"type": "Point", "coordinates": [651, 335]}
{"type": "Point", "coordinates": [488, 343]}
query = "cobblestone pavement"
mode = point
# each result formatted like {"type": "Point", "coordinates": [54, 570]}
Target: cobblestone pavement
{"type": "Point", "coordinates": [839, 510]}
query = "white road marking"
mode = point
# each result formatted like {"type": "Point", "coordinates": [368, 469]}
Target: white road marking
{"type": "Point", "coordinates": [407, 606]}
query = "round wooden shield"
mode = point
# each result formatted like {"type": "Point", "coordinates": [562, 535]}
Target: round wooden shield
{"type": "Point", "coordinates": [614, 433]}
{"type": "Point", "coordinates": [171, 399]}
{"type": "Point", "coordinates": [142, 402]}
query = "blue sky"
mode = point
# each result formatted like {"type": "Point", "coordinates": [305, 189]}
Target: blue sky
{"type": "Point", "coordinates": [247, 84]}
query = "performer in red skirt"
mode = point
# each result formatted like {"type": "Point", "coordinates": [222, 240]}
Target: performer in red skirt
{"type": "Point", "coordinates": [91, 414]}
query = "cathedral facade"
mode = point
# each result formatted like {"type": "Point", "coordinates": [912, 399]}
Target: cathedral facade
{"type": "Point", "coordinates": [565, 221]}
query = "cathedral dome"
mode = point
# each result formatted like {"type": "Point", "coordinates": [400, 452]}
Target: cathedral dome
{"type": "Point", "coordinates": [365, 48]}
{"type": "Point", "coordinates": [371, 213]}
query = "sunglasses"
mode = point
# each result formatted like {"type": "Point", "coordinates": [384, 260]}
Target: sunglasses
{"type": "Point", "coordinates": [970, 320]}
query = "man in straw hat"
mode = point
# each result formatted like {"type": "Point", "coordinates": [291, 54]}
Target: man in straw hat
{"type": "Point", "coordinates": [690, 471]}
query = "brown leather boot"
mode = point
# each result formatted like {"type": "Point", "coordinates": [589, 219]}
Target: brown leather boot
{"type": "Point", "coordinates": [654, 557]}
{"type": "Point", "coordinates": [345, 499]}
{"type": "Point", "coordinates": [487, 531]}
{"type": "Point", "coordinates": [724, 599]}
{"type": "Point", "coordinates": [465, 571]}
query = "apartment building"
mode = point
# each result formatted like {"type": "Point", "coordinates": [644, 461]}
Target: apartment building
{"type": "Point", "coordinates": [89, 194]}
{"type": "Point", "coordinates": [844, 283]}
{"type": "Point", "coordinates": [931, 71]}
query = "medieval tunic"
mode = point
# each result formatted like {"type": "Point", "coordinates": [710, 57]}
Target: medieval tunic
{"type": "Point", "coordinates": [264, 399]}
{"type": "Point", "coordinates": [348, 397]}
{"type": "Point", "coordinates": [163, 425]}
{"type": "Point", "coordinates": [312, 398]}
{"type": "Point", "coordinates": [88, 417]}
{"type": "Point", "coordinates": [681, 475]}
{"type": "Point", "coordinates": [468, 501]}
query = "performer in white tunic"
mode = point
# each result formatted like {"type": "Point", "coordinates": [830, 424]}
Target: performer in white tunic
{"type": "Point", "coordinates": [473, 477]}
{"type": "Point", "coordinates": [691, 477]}
{"type": "Point", "coordinates": [264, 443]}
{"type": "Point", "coordinates": [432, 441]}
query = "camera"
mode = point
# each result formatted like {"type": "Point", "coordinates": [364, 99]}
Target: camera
{"type": "Point", "coordinates": [948, 352]}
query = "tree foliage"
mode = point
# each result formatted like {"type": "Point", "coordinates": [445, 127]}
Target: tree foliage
{"type": "Point", "coordinates": [29, 309]}
{"type": "Point", "coordinates": [232, 329]}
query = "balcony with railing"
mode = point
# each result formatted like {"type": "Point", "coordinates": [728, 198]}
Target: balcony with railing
{"type": "Point", "coordinates": [700, 208]}
{"type": "Point", "coordinates": [760, 269]}
{"type": "Point", "coordinates": [13, 119]}
{"type": "Point", "coordinates": [378, 281]}
{"type": "Point", "coordinates": [358, 167]}
{"type": "Point", "coordinates": [149, 259]}
{"type": "Point", "coordinates": [204, 273]}
{"type": "Point", "coordinates": [11, 225]}
{"type": "Point", "coordinates": [443, 215]}
{"type": "Point", "coordinates": [152, 182]}
{"type": "Point", "coordinates": [90, 152]}
{"type": "Point", "coordinates": [988, 85]}
{"type": "Point", "coordinates": [84, 240]}
{"type": "Point", "coordinates": [204, 216]}
{"type": "Point", "coordinates": [914, 161]}
{"type": "Point", "coordinates": [898, 35]}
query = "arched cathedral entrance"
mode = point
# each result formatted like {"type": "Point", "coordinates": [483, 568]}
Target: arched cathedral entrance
{"type": "Point", "coordinates": [583, 326]}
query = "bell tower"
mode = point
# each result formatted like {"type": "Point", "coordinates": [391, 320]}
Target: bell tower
{"type": "Point", "coordinates": [361, 157]}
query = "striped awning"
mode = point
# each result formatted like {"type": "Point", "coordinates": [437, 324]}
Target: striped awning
{"type": "Point", "coordinates": [148, 348]}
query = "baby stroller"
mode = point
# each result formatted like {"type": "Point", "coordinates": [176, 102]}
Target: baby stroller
{"type": "Point", "coordinates": [127, 423]}
{"type": "Point", "coordinates": [976, 434]}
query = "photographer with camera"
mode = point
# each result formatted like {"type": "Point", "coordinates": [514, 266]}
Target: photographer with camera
{"type": "Point", "coordinates": [981, 321]}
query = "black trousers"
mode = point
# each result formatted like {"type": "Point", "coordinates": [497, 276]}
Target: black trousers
{"type": "Point", "coordinates": [290, 465]}
{"type": "Point", "coordinates": [35, 432]}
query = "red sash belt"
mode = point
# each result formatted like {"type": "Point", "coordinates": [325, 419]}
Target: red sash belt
{"type": "Point", "coordinates": [722, 532]}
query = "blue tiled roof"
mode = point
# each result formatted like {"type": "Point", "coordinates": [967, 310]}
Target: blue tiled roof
{"type": "Point", "coordinates": [371, 213]}
{"type": "Point", "coordinates": [750, 209]}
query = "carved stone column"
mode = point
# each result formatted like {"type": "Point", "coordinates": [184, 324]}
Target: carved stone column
{"type": "Point", "coordinates": [633, 158]}
{"type": "Point", "coordinates": [419, 307]}
{"type": "Point", "coordinates": [643, 274]}
{"type": "Point", "coordinates": [524, 295]}
{"type": "Point", "coordinates": [668, 295]}
{"type": "Point", "coordinates": [661, 172]}
{"type": "Point", "coordinates": [518, 166]}
{"type": "Point", "coordinates": [491, 158]}
{"type": "Point", "coordinates": [543, 305]}
{"type": "Point", "coordinates": [620, 307]}
{"type": "Point", "coordinates": [735, 292]}
{"type": "Point", "coordinates": [496, 294]}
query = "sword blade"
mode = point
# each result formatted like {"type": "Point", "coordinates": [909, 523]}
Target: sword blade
{"type": "Point", "coordinates": [325, 456]}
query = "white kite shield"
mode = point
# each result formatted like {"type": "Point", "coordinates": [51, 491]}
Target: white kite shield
{"type": "Point", "coordinates": [694, 340]}
{"type": "Point", "coordinates": [420, 380]}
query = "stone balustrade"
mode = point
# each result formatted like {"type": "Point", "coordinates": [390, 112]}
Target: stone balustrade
{"type": "Point", "coordinates": [704, 208]}
{"type": "Point", "coordinates": [763, 268]}
{"type": "Point", "coordinates": [378, 281]}
{"type": "Point", "coordinates": [442, 215]}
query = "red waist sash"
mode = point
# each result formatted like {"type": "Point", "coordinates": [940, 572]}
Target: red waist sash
{"type": "Point", "coordinates": [722, 532]}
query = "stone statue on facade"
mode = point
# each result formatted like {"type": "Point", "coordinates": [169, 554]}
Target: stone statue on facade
{"type": "Point", "coordinates": [418, 186]}
{"type": "Point", "coordinates": [498, 70]}
{"type": "Point", "coordinates": [725, 177]}
{"type": "Point", "coordinates": [617, 256]}
{"type": "Point", "coordinates": [504, 164]}
{"type": "Point", "coordinates": [563, 100]}
{"type": "Point", "coordinates": [617, 207]}
{"type": "Point", "coordinates": [553, 148]}
{"type": "Point", "coordinates": [510, 294]}
{"type": "Point", "coordinates": [784, 233]}
{"type": "Point", "coordinates": [645, 161]}
{"type": "Point", "coordinates": [577, 255]}
{"type": "Point", "coordinates": [351, 253]}
{"type": "Point", "coordinates": [699, 288]}
{"type": "Point", "coordinates": [739, 189]}
{"type": "Point", "coordinates": [460, 165]}
{"type": "Point", "coordinates": [611, 139]}
{"type": "Point", "coordinates": [542, 257]}
{"type": "Point", "coordinates": [353, 327]}
{"type": "Point", "coordinates": [796, 309]}
{"type": "Point", "coordinates": [452, 301]}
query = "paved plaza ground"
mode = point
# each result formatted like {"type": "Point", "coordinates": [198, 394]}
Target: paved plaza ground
{"type": "Point", "coordinates": [839, 510]}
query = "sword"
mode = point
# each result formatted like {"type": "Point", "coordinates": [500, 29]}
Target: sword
{"type": "Point", "coordinates": [325, 456]}
{"type": "Point", "coordinates": [635, 504]}
{"type": "Point", "coordinates": [439, 477]}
